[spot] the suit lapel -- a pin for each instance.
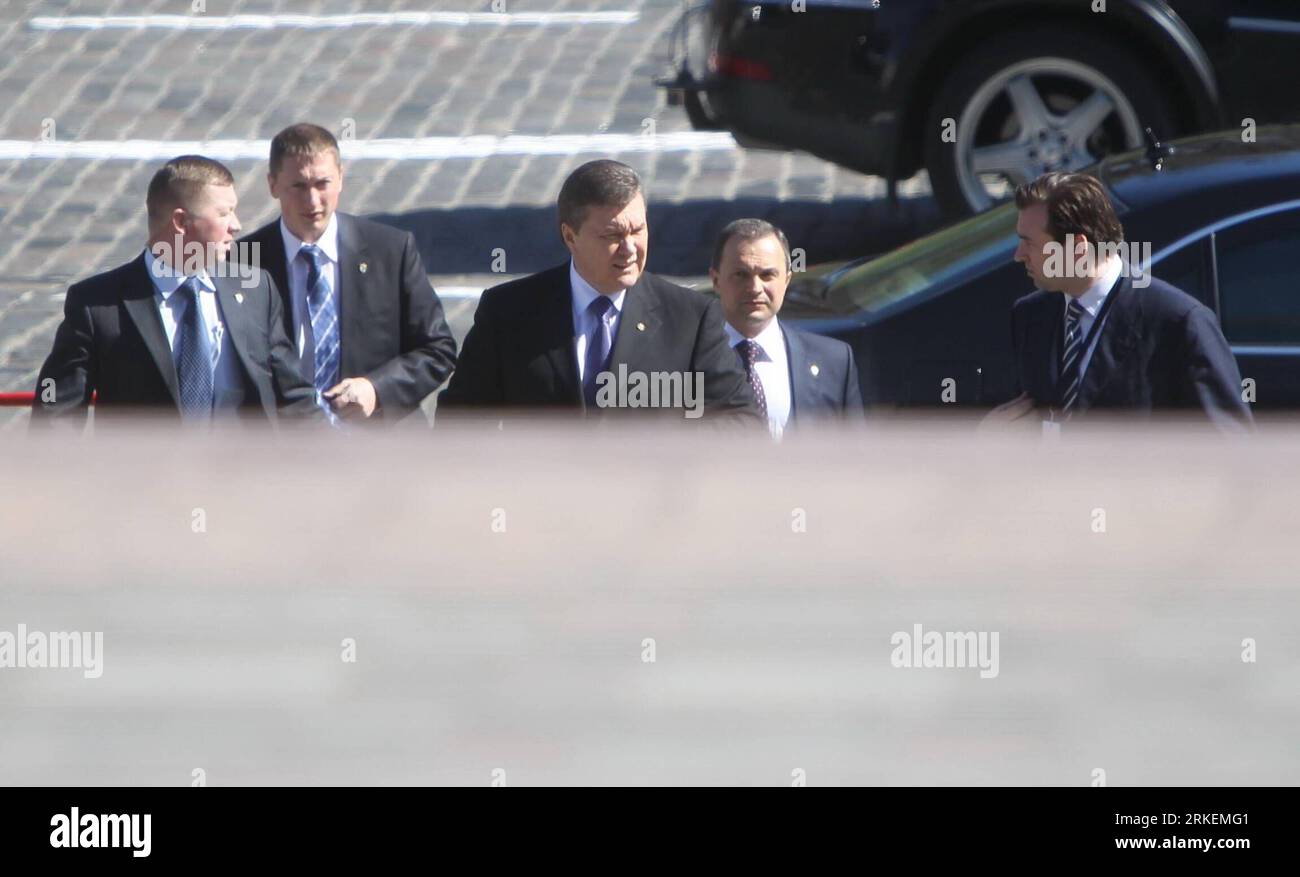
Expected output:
(555, 326)
(139, 299)
(638, 327)
(800, 380)
(230, 299)
(272, 259)
(354, 258)
(1116, 342)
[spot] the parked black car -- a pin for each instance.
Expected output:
(1221, 218)
(1028, 85)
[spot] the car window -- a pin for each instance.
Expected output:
(1185, 269)
(1259, 287)
(930, 263)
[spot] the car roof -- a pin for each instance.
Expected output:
(1194, 166)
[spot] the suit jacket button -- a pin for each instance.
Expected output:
(814, 369)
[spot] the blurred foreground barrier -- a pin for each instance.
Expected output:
(901, 606)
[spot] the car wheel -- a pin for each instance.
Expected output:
(1032, 102)
(698, 112)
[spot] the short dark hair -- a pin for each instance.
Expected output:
(1076, 204)
(600, 183)
(749, 230)
(302, 140)
(179, 182)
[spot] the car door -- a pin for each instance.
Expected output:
(1258, 291)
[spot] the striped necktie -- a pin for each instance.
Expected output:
(1072, 356)
(324, 324)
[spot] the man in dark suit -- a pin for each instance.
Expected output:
(555, 341)
(797, 376)
(356, 299)
(1101, 336)
(178, 330)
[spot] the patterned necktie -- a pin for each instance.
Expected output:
(748, 351)
(193, 356)
(324, 324)
(1072, 356)
(599, 346)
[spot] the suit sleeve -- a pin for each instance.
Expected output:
(428, 347)
(295, 395)
(67, 379)
(476, 382)
(1212, 379)
(726, 389)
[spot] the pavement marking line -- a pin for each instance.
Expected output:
(458, 293)
(316, 22)
(396, 149)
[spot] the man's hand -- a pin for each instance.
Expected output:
(351, 397)
(1008, 412)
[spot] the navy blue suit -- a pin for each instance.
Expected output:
(823, 378)
(1160, 350)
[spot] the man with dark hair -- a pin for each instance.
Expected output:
(178, 330)
(1099, 334)
(796, 376)
(357, 301)
(557, 339)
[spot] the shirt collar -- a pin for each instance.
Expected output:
(770, 340)
(1093, 298)
(166, 280)
(584, 294)
(328, 241)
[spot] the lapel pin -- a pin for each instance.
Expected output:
(362, 266)
(640, 327)
(239, 298)
(814, 369)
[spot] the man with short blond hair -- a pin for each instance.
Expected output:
(357, 300)
(178, 330)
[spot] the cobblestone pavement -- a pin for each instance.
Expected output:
(66, 218)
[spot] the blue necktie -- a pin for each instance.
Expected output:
(324, 324)
(1072, 356)
(599, 345)
(193, 356)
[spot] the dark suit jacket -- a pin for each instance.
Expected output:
(391, 326)
(520, 352)
(112, 342)
(832, 389)
(1159, 350)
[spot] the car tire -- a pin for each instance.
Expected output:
(1059, 68)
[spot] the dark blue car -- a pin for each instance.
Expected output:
(1221, 219)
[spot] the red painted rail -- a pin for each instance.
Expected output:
(24, 400)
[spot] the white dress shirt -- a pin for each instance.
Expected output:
(584, 324)
(773, 370)
(298, 269)
(226, 381)
(1091, 301)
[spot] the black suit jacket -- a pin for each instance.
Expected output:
(392, 330)
(112, 342)
(823, 378)
(520, 351)
(1159, 350)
